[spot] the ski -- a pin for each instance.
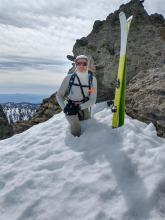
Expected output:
(120, 92)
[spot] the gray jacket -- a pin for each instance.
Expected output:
(75, 93)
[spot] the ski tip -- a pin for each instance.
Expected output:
(121, 14)
(130, 18)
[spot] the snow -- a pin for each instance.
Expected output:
(105, 174)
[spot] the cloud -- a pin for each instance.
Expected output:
(29, 80)
(26, 88)
(32, 76)
(19, 63)
(32, 13)
(47, 28)
(153, 6)
(60, 17)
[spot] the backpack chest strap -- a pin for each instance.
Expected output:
(76, 84)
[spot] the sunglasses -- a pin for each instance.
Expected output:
(81, 64)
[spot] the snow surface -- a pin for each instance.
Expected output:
(105, 174)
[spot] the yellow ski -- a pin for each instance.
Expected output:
(120, 92)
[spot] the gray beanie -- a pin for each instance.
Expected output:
(81, 57)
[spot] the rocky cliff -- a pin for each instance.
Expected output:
(146, 98)
(5, 129)
(145, 61)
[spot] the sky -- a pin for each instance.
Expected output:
(37, 35)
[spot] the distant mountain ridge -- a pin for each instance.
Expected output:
(17, 98)
(19, 111)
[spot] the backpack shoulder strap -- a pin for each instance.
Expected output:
(90, 80)
(71, 81)
(82, 91)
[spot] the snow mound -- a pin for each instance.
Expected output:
(105, 174)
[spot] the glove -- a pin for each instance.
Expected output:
(71, 108)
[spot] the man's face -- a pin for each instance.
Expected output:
(81, 65)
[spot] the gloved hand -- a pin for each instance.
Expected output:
(71, 108)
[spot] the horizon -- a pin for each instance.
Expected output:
(23, 98)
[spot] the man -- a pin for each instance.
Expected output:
(80, 91)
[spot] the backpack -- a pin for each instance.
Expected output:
(71, 83)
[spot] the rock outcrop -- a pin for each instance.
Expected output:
(146, 98)
(5, 129)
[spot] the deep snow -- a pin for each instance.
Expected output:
(105, 174)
